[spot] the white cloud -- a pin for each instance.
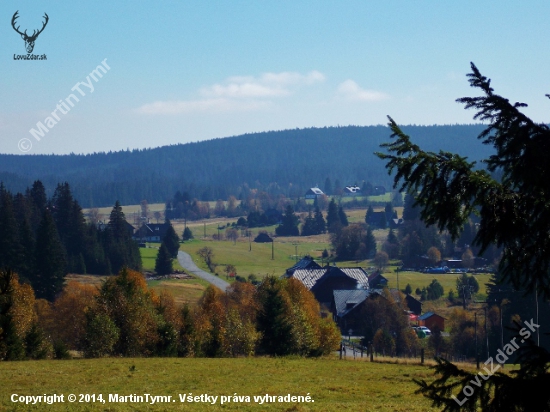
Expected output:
(351, 91)
(238, 93)
(244, 90)
(203, 105)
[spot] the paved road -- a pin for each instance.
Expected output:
(187, 263)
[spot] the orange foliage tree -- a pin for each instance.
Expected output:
(124, 320)
(20, 336)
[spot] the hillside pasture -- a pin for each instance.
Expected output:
(258, 260)
(334, 385)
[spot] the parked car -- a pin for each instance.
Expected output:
(425, 330)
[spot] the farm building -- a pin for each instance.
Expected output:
(263, 237)
(324, 281)
(414, 305)
(346, 307)
(151, 232)
(352, 190)
(377, 281)
(314, 193)
(432, 320)
(306, 262)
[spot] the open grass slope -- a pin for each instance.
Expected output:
(420, 280)
(334, 385)
(258, 260)
(184, 291)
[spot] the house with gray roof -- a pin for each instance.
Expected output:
(324, 281)
(306, 262)
(346, 307)
(314, 193)
(151, 232)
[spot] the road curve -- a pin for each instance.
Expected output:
(187, 263)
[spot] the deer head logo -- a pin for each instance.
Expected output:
(29, 40)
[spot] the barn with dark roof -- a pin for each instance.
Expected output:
(324, 281)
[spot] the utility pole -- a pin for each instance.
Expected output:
(272, 249)
(397, 271)
(475, 333)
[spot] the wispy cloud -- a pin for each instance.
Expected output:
(238, 93)
(202, 105)
(350, 90)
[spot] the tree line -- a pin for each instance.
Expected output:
(43, 239)
(125, 318)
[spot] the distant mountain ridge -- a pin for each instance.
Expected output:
(286, 162)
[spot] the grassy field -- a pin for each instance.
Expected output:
(420, 280)
(184, 290)
(334, 385)
(258, 260)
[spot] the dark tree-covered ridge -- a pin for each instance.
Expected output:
(287, 162)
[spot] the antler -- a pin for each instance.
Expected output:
(35, 35)
(15, 16)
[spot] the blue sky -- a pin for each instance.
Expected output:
(183, 71)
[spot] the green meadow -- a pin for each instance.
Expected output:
(334, 385)
(256, 258)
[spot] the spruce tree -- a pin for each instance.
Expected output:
(410, 211)
(11, 251)
(120, 249)
(187, 234)
(320, 224)
(333, 220)
(273, 318)
(37, 200)
(50, 261)
(309, 228)
(163, 263)
(172, 241)
(513, 207)
(370, 212)
(289, 225)
(342, 216)
(23, 217)
(117, 222)
(370, 243)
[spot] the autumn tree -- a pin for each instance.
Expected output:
(207, 255)
(381, 261)
(391, 245)
(20, 336)
(123, 320)
(434, 255)
(289, 320)
(232, 234)
(210, 323)
(385, 319)
(468, 258)
(68, 314)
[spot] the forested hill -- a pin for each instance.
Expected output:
(287, 162)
